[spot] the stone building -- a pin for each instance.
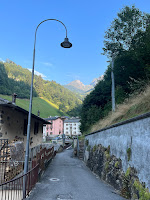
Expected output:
(13, 124)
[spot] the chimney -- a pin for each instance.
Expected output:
(14, 96)
(38, 113)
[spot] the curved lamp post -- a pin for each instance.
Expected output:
(64, 44)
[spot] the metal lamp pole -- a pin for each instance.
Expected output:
(65, 44)
(113, 85)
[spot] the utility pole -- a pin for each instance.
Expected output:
(113, 85)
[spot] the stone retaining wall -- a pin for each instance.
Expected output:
(128, 141)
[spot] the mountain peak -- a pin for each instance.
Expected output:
(79, 85)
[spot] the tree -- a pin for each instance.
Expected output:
(120, 35)
(129, 40)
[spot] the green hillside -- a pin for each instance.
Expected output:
(15, 79)
(38, 104)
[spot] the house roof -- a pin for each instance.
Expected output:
(52, 118)
(56, 117)
(71, 120)
(11, 105)
(4, 101)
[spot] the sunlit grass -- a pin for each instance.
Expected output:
(44, 107)
(132, 107)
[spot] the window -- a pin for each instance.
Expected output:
(25, 127)
(36, 128)
(51, 133)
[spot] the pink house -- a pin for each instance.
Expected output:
(56, 128)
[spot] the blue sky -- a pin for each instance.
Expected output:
(86, 22)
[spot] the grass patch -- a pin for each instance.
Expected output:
(52, 104)
(44, 107)
(143, 192)
(94, 148)
(136, 105)
(82, 137)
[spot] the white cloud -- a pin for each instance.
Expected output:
(2, 60)
(38, 73)
(47, 64)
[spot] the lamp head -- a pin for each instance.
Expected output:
(66, 43)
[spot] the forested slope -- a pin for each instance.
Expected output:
(14, 78)
(128, 41)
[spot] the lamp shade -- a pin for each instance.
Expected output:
(66, 43)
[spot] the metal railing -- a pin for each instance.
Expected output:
(13, 189)
(9, 170)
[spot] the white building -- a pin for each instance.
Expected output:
(72, 126)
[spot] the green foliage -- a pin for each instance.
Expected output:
(108, 149)
(107, 166)
(119, 37)
(107, 155)
(93, 104)
(81, 137)
(143, 192)
(89, 148)
(116, 164)
(86, 142)
(15, 79)
(129, 153)
(94, 148)
(128, 172)
(9, 84)
(128, 38)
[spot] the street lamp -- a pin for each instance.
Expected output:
(65, 44)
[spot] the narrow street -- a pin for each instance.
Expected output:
(68, 178)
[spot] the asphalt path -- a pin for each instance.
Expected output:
(69, 178)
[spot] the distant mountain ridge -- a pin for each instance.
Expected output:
(96, 80)
(78, 87)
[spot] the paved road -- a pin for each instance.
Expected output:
(68, 178)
